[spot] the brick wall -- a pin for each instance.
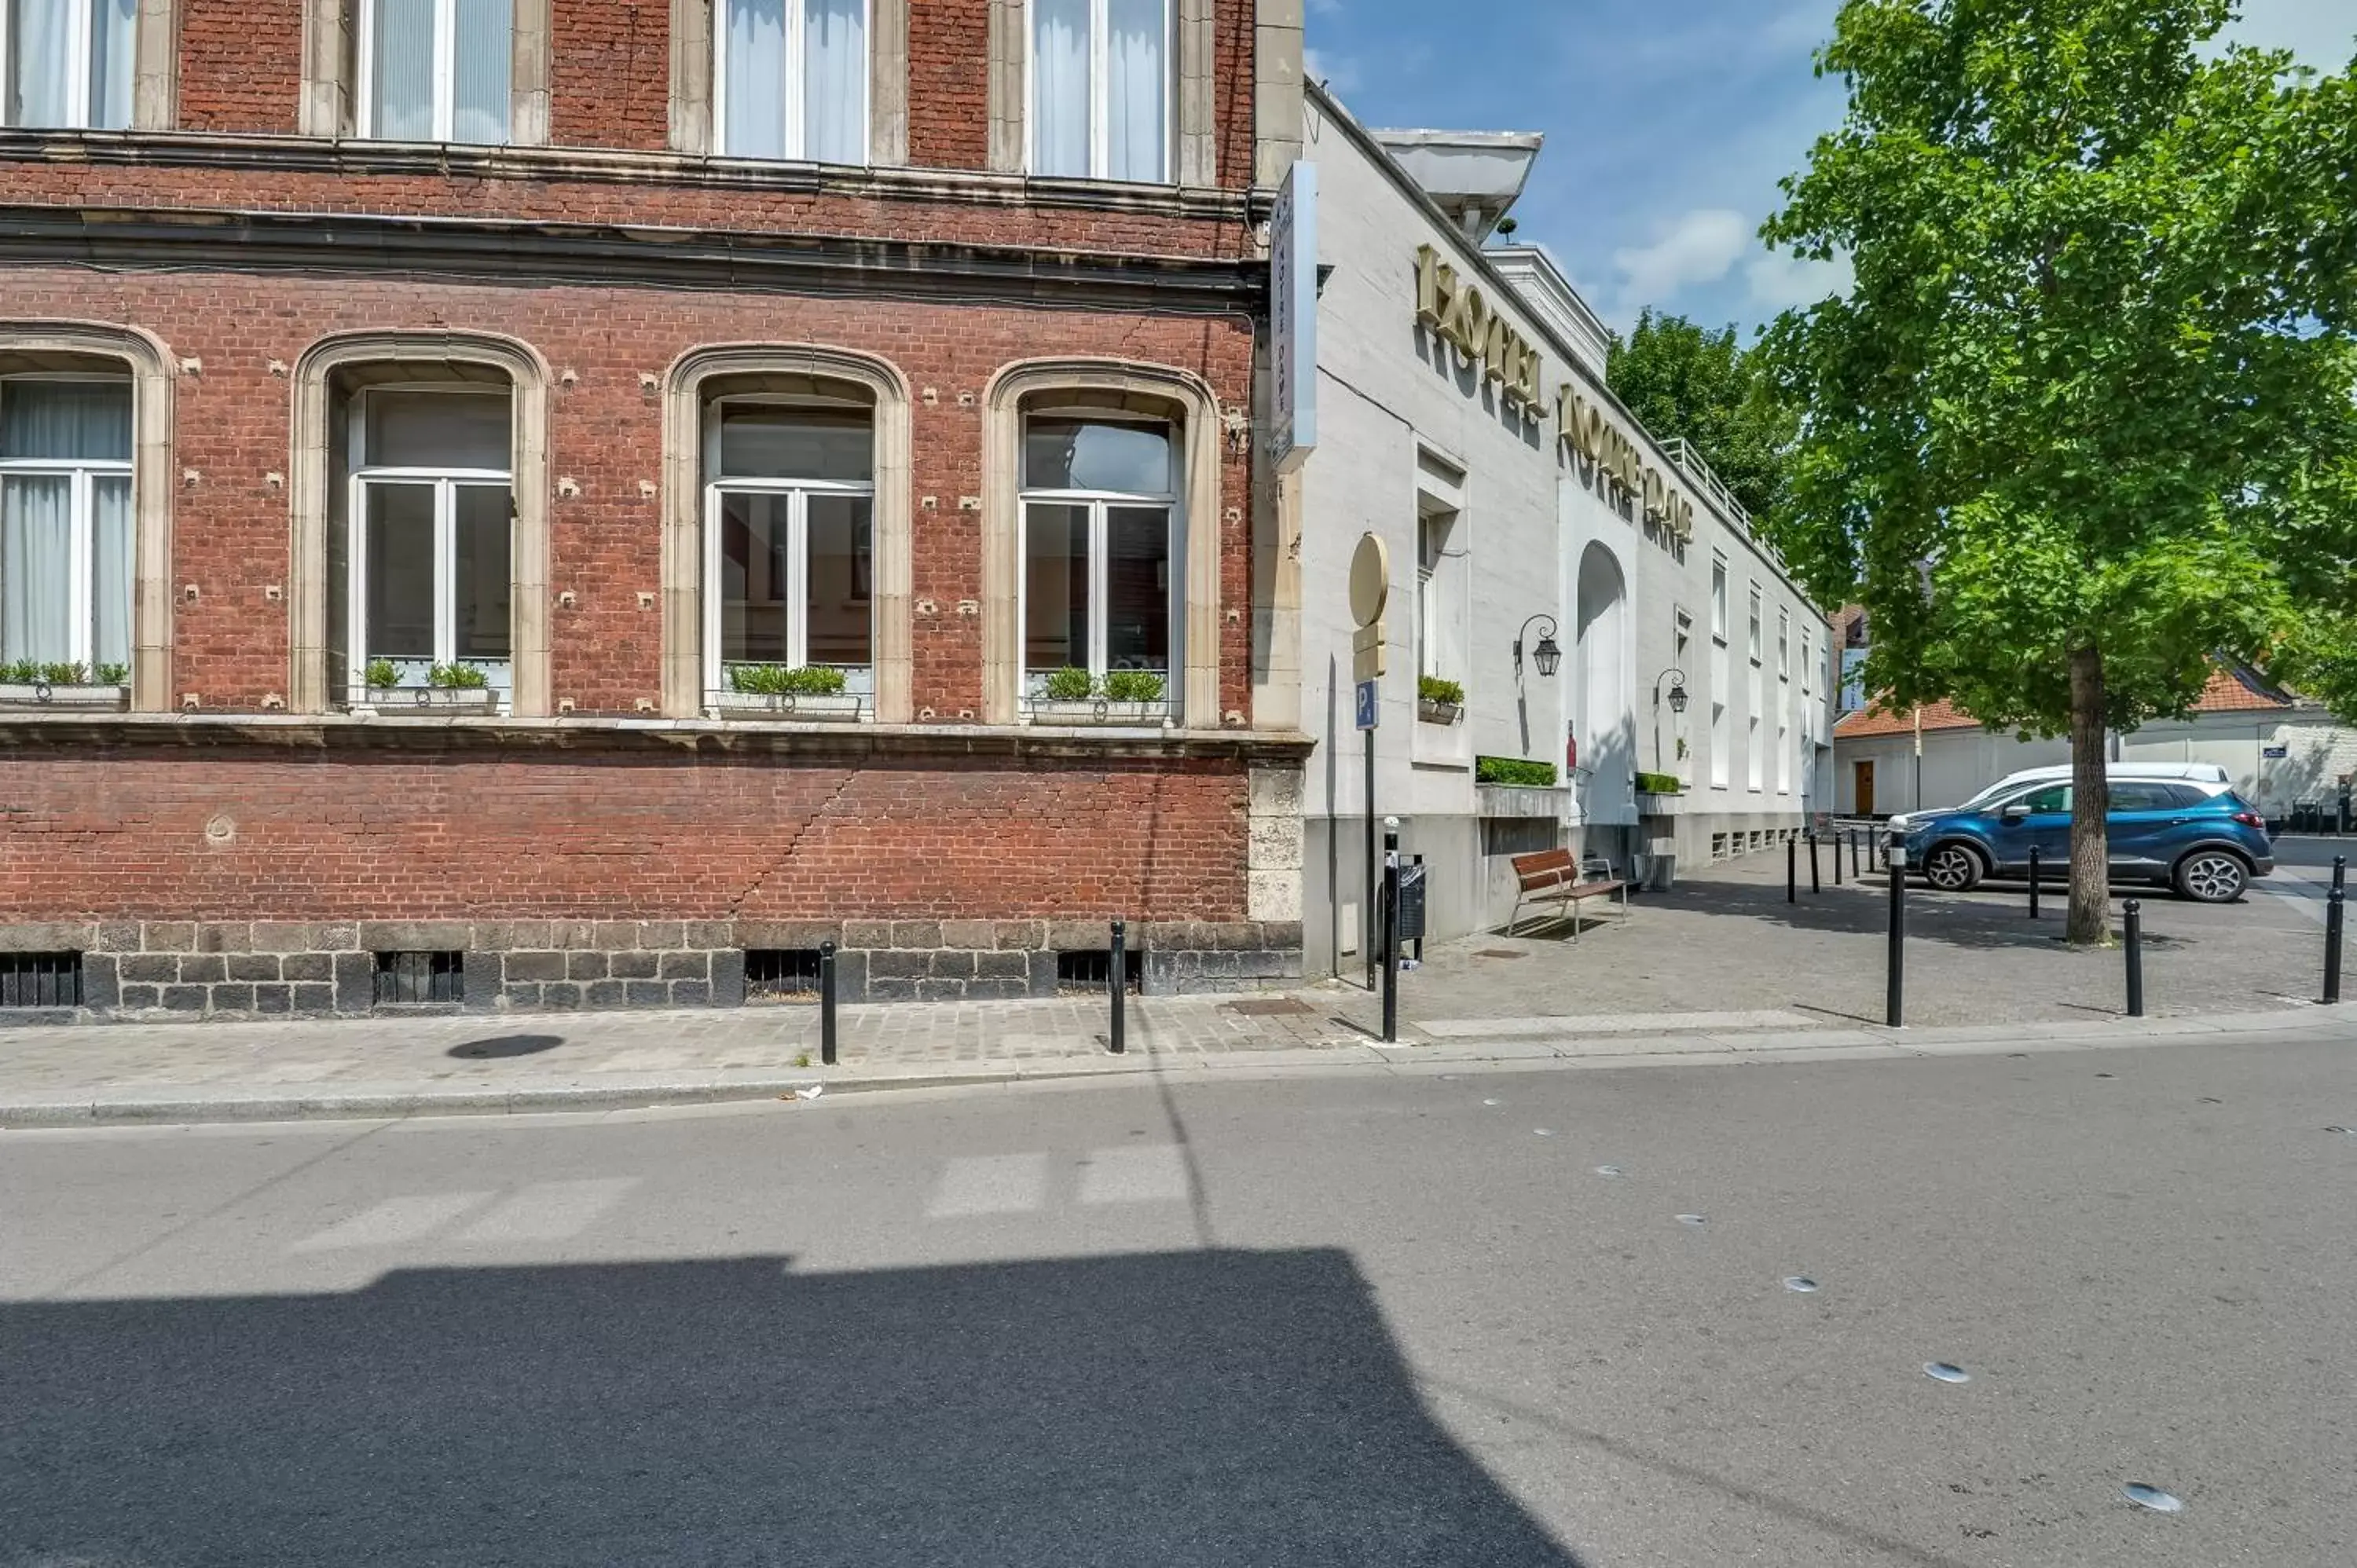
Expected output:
(270, 833)
(609, 68)
(948, 79)
(230, 527)
(240, 65)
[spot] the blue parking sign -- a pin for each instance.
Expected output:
(1369, 709)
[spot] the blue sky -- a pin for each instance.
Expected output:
(1668, 122)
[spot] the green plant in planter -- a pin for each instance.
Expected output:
(1659, 784)
(780, 681)
(114, 674)
(456, 678)
(1515, 771)
(1433, 689)
(67, 673)
(20, 673)
(1069, 685)
(1133, 686)
(381, 675)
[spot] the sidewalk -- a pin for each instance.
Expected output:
(1721, 970)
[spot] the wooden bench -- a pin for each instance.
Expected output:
(1553, 876)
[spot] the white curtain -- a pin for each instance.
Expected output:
(109, 550)
(835, 81)
(1137, 75)
(754, 54)
(403, 45)
(1060, 87)
(112, 23)
(35, 567)
(486, 45)
(66, 422)
(40, 61)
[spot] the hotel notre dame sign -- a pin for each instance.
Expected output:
(1454, 311)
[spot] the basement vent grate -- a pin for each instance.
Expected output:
(40, 980)
(408, 978)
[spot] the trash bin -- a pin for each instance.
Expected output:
(1661, 868)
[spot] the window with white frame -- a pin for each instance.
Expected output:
(790, 80)
(1098, 593)
(67, 63)
(1719, 675)
(429, 556)
(1783, 702)
(1755, 758)
(788, 542)
(1682, 649)
(66, 527)
(1101, 79)
(435, 71)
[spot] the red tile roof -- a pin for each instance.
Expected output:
(2231, 689)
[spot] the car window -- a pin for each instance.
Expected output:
(2052, 798)
(2195, 795)
(2131, 795)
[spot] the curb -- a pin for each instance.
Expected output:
(1518, 1051)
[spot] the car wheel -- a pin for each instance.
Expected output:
(2213, 876)
(1953, 868)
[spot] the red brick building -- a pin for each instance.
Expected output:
(587, 491)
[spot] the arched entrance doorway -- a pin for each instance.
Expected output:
(1601, 713)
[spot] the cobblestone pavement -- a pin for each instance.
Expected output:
(1722, 955)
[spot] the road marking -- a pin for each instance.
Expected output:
(549, 1210)
(1610, 1024)
(394, 1221)
(990, 1184)
(1154, 1172)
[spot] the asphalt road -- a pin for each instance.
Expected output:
(1329, 1319)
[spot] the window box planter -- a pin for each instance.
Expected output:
(1100, 711)
(831, 707)
(1534, 802)
(1652, 804)
(40, 696)
(1437, 712)
(396, 700)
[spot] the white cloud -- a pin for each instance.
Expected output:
(1780, 280)
(1697, 247)
(1338, 72)
(1325, 7)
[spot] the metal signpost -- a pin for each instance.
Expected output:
(1371, 590)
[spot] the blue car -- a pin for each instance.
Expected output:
(2199, 837)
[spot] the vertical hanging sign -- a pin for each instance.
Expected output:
(1293, 318)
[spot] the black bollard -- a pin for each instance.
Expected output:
(1114, 982)
(2134, 910)
(1813, 886)
(1391, 929)
(2033, 882)
(1791, 871)
(1837, 876)
(1894, 1005)
(826, 1004)
(2334, 915)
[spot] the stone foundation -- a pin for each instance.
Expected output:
(175, 970)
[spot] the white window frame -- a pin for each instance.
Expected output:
(446, 73)
(1720, 678)
(445, 482)
(1783, 700)
(1682, 626)
(798, 492)
(1100, 504)
(1755, 759)
(796, 87)
(1100, 93)
(78, 16)
(82, 475)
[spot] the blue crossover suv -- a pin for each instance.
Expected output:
(2199, 837)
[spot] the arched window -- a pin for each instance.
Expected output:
(66, 531)
(419, 487)
(429, 542)
(1099, 498)
(790, 544)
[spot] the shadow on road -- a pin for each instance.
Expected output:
(1207, 1407)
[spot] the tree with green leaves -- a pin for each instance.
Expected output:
(2085, 419)
(1682, 380)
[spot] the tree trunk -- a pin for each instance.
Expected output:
(2091, 804)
